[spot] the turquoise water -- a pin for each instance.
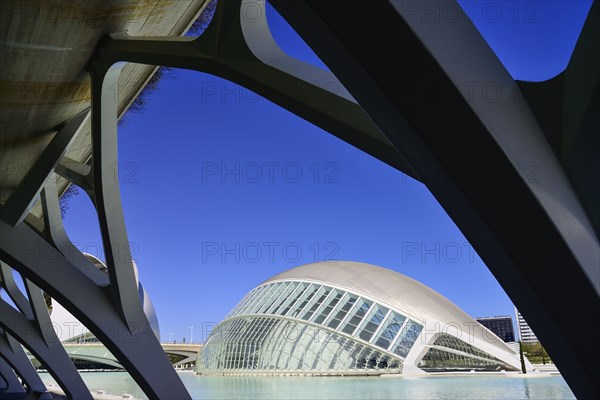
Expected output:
(368, 388)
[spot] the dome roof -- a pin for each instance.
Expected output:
(381, 285)
(391, 289)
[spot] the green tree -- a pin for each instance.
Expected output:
(522, 357)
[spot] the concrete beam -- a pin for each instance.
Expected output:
(245, 53)
(23, 198)
(41, 341)
(15, 356)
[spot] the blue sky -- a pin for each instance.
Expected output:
(222, 189)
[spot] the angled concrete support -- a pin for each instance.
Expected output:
(108, 303)
(15, 356)
(9, 383)
(53, 231)
(50, 354)
(7, 281)
(20, 202)
(482, 155)
(77, 173)
(243, 51)
(135, 346)
(69, 279)
(107, 197)
(32, 327)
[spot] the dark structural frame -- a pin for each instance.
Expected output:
(515, 169)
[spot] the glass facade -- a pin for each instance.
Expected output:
(448, 353)
(303, 327)
(275, 345)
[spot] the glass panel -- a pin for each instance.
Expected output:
(291, 301)
(260, 299)
(339, 314)
(239, 305)
(306, 298)
(273, 295)
(282, 298)
(362, 357)
(407, 338)
(328, 305)
(452, 342)
(265, 344)
(358, 313)
(438, 360)
(239, 309)
(389, 330)
(316, 302)
(372, 322)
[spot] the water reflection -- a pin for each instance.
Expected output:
(510, 387)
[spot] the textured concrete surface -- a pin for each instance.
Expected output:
(44, 48)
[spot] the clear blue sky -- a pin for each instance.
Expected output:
(204, 239)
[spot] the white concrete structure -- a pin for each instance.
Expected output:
(70, 330)
(349, 318)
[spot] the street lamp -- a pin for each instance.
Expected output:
(171, 337)
(191, 334)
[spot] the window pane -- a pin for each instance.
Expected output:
(306, 298)
(390, 328)
(316, 302)
(334, 298)
(291, 301)
(408, 337)
(282, 298)
(372, 322)
(261, 298)
(272, 296)
(357, 315)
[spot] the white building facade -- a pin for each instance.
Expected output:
(349, 318)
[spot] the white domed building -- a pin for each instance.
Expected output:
(349, 318)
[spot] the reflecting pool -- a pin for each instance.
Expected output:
(509, 387)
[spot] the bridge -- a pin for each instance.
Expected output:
(70, 69)
(96, 356)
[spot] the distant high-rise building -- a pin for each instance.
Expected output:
(526, 335)
(500, 326)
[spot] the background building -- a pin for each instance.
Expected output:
(500, 326)
(526, 335)
(344, 318)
